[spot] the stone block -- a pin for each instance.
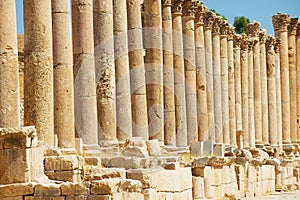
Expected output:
(128, 185)
(197, 148)
(61, 163)
(82, 188)
(17, 189)
(12, 198)
(136, 152)
(171, 166)
(150, 194)
(47, 189)
(132, 196)
(187, 195)
(43, 198)
(219, 150)
(106, 186)
(198, 188)
(137, 142)
(71, 176)
(124, 162)
(98, 173)
(89, 197)
(92, 161)
(153, 147)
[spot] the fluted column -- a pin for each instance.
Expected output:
(154, 68)
(237, 39)
(38, 69)
(169, 100)
(179, 80)
(292, 28)
(271, 84)
(264, 88)
(224, 81)
(137, 70)
(298, 79)
(217, 80)
(201, 75)
(244, 88)
(188, 27)
(123, 93)
(84, 73)
(280, 23)
(63, 74)
(208, 23)
(9, 72)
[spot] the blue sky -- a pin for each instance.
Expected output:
(258, 10)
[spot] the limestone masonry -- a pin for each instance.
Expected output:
(146, 100)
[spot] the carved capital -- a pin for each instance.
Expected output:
(224, 28)
(231, 33)
(216, 29)
(280, 21)
(263, 36)
(189, 8)
(292, 28)
(166, 2)
(199, 16)
(209, 19)
(237, 40)
(253, 29)
(252, 42)
(277, 45)
(244, 42)
(177, 6)
(270, 42)
(298, 30)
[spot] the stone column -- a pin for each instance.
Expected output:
(201, 75)
(190, 69)
(280, 23)
(217, 80)
(208, 23)
(244, 88)
(137, 70)
(298, 78)
(231, 87)
(9, 71)
(154, 68)
(38, 69)
(123, 93)
(271, 81)
(251, 113)
(264, 88)
(169, 100)
(224, 81)
(253, 32)
(237, 39)
(278, 92)
(84, 73)
(179, 80)
(292, 28)
(105, 71)
(63, 74)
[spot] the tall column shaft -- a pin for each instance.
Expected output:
(154, 68)
(123, 93)
(84, 73)
(9, 72)
(169, 100)
(137, 70)
(38, 69)
(298, 79)
(63, 74)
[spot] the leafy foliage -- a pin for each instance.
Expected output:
(240, 24)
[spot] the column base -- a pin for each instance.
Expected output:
(109, 143)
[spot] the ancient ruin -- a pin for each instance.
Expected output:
(146, 100)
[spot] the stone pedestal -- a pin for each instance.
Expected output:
(63, 74)
(179, 80)
(123, 93)
(137, 70)
(84, 74)
(38, 69)
(9, 72)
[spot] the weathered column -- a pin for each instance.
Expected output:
(105, 71)
(63, 74)
(298, 79)
(123, 93)
(244, 88)
(224, 81)
(264, 88)
(9, 72)
(292, 28)
(84, 73)
(208, 23)
(278, 92)
(253, 32)
(154, 68)
(137, 70)
(38, 69)
(271, 81)
(237, 39)
(201, 75)
(169, 100)
(280, 23)
(231, 87)
(190, 69)
(179, 80)
(251, 113)
(217, 80)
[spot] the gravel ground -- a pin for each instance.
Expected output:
(280, 195)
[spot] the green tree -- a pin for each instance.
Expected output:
(218, 14)
(240, 24)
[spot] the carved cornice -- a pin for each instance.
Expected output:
(270, 42)
(209, 19)
(298, 30)
(199, 16)
(292, 28)
(262, 36)
(253, 29)
(231, 33)
(280, 21)
(189, 8)
(217, 25)
(277, 45)
(237, 40)
(166, 2)
(177, 6)
(244, 42)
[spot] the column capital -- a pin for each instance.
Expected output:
(253, 29)
(216, 29)
(199, 15)
(237, 40)
(166, 3)
(244, 42)
(262, 36)
(177, 6)
(224, 28)
(252, 42)
(189, 8)
(277, 45)
(209, 19)
(292, 28)
(280, 21)
(298, 30)
(270, 42)
(231, 33)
